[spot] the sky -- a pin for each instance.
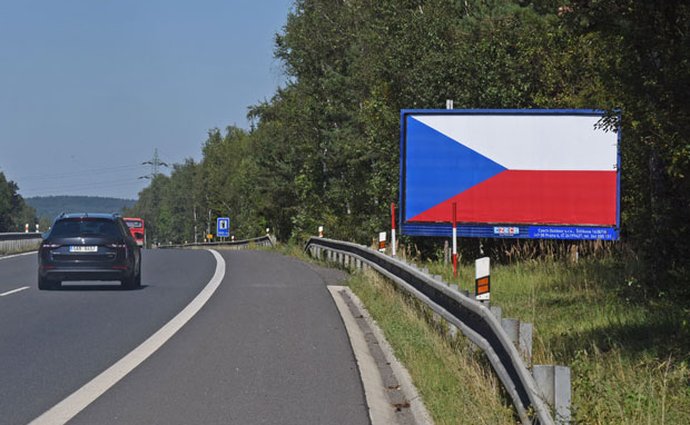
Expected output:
(90, 89)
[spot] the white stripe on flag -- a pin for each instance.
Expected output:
(532, 142)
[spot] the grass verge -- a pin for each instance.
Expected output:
(454, 381)
(628, 354)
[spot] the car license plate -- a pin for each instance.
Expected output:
(83, 248)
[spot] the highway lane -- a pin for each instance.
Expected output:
(53, 342)
(268, 348)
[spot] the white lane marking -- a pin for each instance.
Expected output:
(14, 291)
(17, 255)
(80, 399)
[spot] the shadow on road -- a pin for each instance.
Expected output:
(97, 287)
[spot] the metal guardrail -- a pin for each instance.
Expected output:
(19, 242)
(16, 236)
(474, 320)
(260, 241)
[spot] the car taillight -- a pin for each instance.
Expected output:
(120, 246)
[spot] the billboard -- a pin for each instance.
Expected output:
(546, 174)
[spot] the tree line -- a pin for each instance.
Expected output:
(324, 149)
(14, 211)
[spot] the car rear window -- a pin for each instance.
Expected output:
(85, 227)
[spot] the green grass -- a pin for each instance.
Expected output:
(628, 355)
(453, 380)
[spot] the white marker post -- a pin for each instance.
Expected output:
(382, 242)
(26, 228)
(482, 281)
(393, 230)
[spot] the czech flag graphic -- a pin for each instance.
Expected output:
(550, 169)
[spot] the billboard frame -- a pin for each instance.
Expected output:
(509, 230)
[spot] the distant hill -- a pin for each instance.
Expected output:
(49, 207)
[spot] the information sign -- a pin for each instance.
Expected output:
(223, 227)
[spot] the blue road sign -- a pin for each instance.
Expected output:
(223, 227)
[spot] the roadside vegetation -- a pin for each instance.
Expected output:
(629, 357)
(14, 211)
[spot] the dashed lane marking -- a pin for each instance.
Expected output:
(14, 291)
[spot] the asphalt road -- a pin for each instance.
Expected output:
(268, 347)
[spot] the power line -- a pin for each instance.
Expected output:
(53, 176)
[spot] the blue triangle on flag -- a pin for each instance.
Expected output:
(438, 168)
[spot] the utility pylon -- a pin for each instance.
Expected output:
(155, 164)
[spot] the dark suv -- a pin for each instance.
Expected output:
(89, 247)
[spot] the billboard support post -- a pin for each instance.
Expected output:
(455, 240)
(393, 229)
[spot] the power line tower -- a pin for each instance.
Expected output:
(155, 164)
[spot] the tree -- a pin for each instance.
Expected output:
(14, 212)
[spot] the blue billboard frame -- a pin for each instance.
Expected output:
(508, 230)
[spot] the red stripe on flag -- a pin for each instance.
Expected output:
(526, 197)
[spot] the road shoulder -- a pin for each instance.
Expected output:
(391, 396)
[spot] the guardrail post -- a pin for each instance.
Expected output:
(521, 335)
(497, 312)
(525, 342)
(554, 384)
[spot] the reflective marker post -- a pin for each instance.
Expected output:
(455, 240)
(482, 279)
(393, 230)
(382, 241)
